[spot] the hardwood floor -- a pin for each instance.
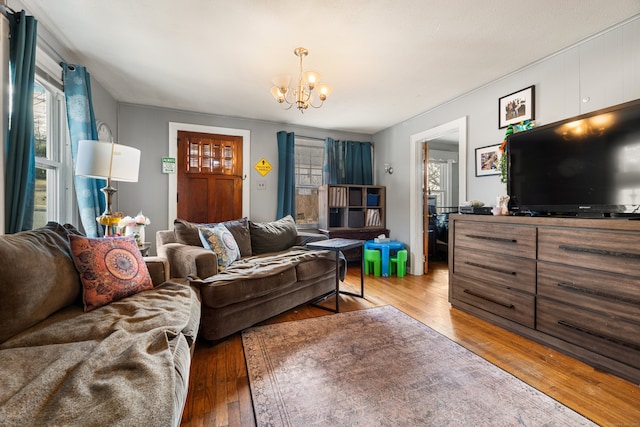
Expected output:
(219, 392)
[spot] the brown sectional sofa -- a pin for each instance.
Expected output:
(275, 273)
(125, 363)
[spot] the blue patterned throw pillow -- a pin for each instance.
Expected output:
(220, 240)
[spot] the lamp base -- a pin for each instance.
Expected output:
(110, 222)
(108, 219)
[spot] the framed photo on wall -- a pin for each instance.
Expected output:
(516, 107)
(488, 160)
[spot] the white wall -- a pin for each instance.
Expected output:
(604, 71)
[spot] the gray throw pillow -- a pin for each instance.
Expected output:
(272, 236)
(187, 233)
(37, 277)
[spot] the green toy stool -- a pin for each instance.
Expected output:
(399, 263)
(372, 256)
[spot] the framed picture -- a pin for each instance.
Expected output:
(488, 160)
(516, 107)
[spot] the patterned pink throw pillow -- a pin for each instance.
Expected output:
(110, 269)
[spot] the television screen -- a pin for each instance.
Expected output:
(586, 165)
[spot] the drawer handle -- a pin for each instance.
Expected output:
(491, 268)
(599, 251)
(495, 239)
(473, 294)
(572, 287)
(598, 335)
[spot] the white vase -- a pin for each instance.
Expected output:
(137, 231)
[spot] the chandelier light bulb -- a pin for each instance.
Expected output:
(312, 78)
(323, 91)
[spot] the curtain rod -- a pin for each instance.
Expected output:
(6, 10)
(322, 139)
(309, 137)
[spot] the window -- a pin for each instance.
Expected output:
(439, 178)
(309, 158)
(51, 150)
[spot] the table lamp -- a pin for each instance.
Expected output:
(110, 161)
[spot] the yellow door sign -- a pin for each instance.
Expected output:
(263, 167)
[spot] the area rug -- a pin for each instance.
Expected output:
(380, 367)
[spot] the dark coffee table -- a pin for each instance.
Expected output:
(338, 245)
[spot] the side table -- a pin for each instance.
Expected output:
(144, 249)
(353, 255)
(338, 245)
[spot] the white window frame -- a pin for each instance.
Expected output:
(307, 142)
(61, 203)
(446, 179)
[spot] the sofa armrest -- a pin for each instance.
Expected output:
(305, 237)
(186, 260)
(158, 269)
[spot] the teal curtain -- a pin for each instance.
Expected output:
(20, 151)
(347, 162)
(286, 175)
(82, 125)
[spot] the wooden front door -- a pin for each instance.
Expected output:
(209, 177)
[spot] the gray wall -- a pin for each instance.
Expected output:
(105, 107)
(147, 128)
(604, 71)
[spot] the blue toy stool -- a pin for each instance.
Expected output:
(372, 257)
(399, 263)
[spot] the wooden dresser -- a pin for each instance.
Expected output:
(570, 283)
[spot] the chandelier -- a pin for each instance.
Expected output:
(305, 93)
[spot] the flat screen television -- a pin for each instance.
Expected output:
(587, 165)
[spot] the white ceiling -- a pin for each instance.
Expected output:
(387, 60)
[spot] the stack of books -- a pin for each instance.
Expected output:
(337, 196)
(373, 218)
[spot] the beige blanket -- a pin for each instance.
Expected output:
(112, 366)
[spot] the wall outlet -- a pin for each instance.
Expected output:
(262, 184)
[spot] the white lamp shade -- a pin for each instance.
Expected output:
(324, 91)
(98, 159)
(277, 94)
(311, 77)
(281, 81)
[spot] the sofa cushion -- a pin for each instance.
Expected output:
(187, 233)
(272, 236)
(110, 269)
(221, 241)
(247, 279)
(260, 275)
(37, 277)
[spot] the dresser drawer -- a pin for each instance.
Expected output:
(593, 290)
(504, 302)
(512, 272)
(604, 334)
(507, 239)
(617, 252)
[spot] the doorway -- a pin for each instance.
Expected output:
(416, 227)
(174, 128)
